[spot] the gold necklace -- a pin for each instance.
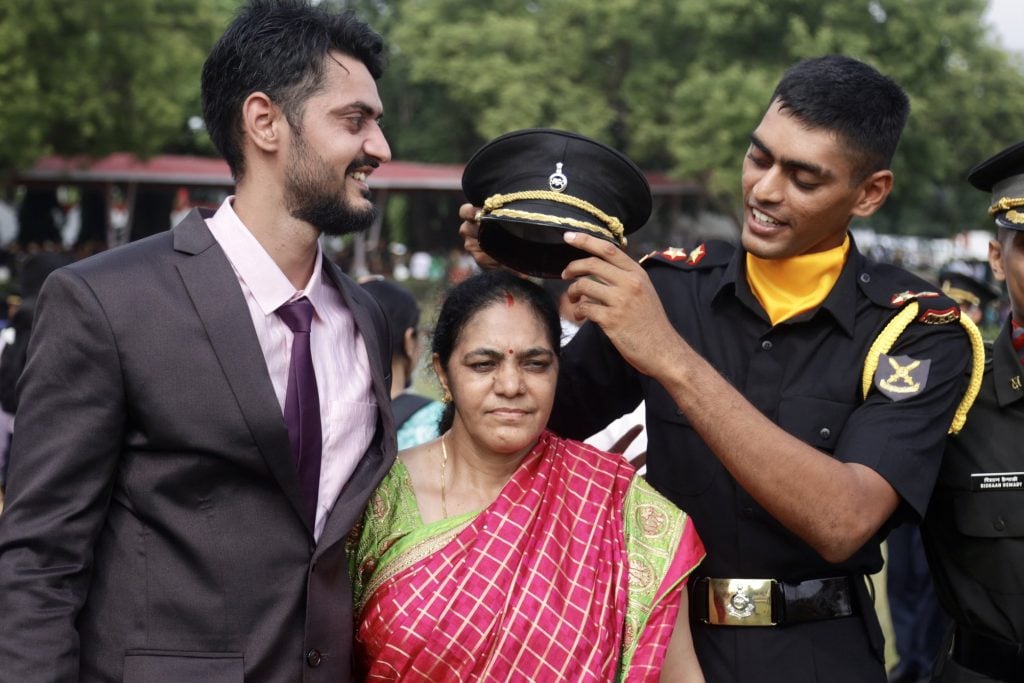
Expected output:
(444, 461)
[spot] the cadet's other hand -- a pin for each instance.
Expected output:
(613, 290)
(470, 231)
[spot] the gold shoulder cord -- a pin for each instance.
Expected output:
(885, 341)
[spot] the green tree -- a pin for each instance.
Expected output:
(101, 76)
(680, 84)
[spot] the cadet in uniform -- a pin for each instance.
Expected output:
(798, 395)
(974, 531)
(919, 623)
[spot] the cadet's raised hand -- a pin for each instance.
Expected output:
(614, 291)
(470, 231)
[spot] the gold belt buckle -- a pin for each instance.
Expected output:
(740, 602)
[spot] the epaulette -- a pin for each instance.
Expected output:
(707, 255)
(894, 288)
(915, 301)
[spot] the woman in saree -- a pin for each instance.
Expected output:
(501, 552)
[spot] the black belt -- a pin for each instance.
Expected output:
(999, 659)
(767, 602)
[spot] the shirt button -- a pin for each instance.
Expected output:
(865, 278)
(999, 524)
(766, 345)
(825, 432)
(313, 658)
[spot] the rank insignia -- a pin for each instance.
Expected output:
(940, 317)
(674, 254)
(900, 377)
(904, 297)
(696, 255)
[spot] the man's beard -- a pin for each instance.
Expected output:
(312, 193)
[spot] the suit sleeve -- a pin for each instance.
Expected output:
(64, 461)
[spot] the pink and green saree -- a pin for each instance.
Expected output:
(574, 573)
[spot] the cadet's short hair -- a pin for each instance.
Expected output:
(277, 47)
(866, 109)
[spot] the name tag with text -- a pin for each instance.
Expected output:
(997, 481)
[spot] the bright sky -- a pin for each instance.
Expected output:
(1007, 19)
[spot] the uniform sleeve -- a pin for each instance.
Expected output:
(903, 439)
(64, 461)
(595, 385)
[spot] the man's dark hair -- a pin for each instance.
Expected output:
(851, 99)
(277, 47)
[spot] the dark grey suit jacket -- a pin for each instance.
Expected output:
(154, 527)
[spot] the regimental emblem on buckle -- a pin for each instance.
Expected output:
(740, 602)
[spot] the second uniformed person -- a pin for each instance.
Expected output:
(784, 411)
(974, 531)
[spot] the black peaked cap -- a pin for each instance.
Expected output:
(537, 183)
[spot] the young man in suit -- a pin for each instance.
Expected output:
(201, 415)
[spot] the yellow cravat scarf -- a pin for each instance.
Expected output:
(788, 287)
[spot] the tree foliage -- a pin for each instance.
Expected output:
(101, 76)
(680, 84)
(677, 84)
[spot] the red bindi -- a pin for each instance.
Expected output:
(509, 300)
(510, 352)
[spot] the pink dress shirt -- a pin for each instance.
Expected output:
(348, 409)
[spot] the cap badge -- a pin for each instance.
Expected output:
(557, 180)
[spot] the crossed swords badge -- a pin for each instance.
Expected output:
(900, 377)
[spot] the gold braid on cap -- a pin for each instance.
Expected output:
(961, 296)
(885, 341)
(614, 230)
(1005, 204)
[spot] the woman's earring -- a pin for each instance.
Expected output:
(447, 398)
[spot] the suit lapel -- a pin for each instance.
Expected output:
(213, 287)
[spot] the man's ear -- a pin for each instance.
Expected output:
(874, 190)
(995, 259)
(410, 343)
(261, 121)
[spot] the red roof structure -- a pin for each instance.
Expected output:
(172, 169)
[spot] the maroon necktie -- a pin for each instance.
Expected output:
(302, 403)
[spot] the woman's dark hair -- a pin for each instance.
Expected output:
(477, 293)
(277, 47)
(400, 309)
